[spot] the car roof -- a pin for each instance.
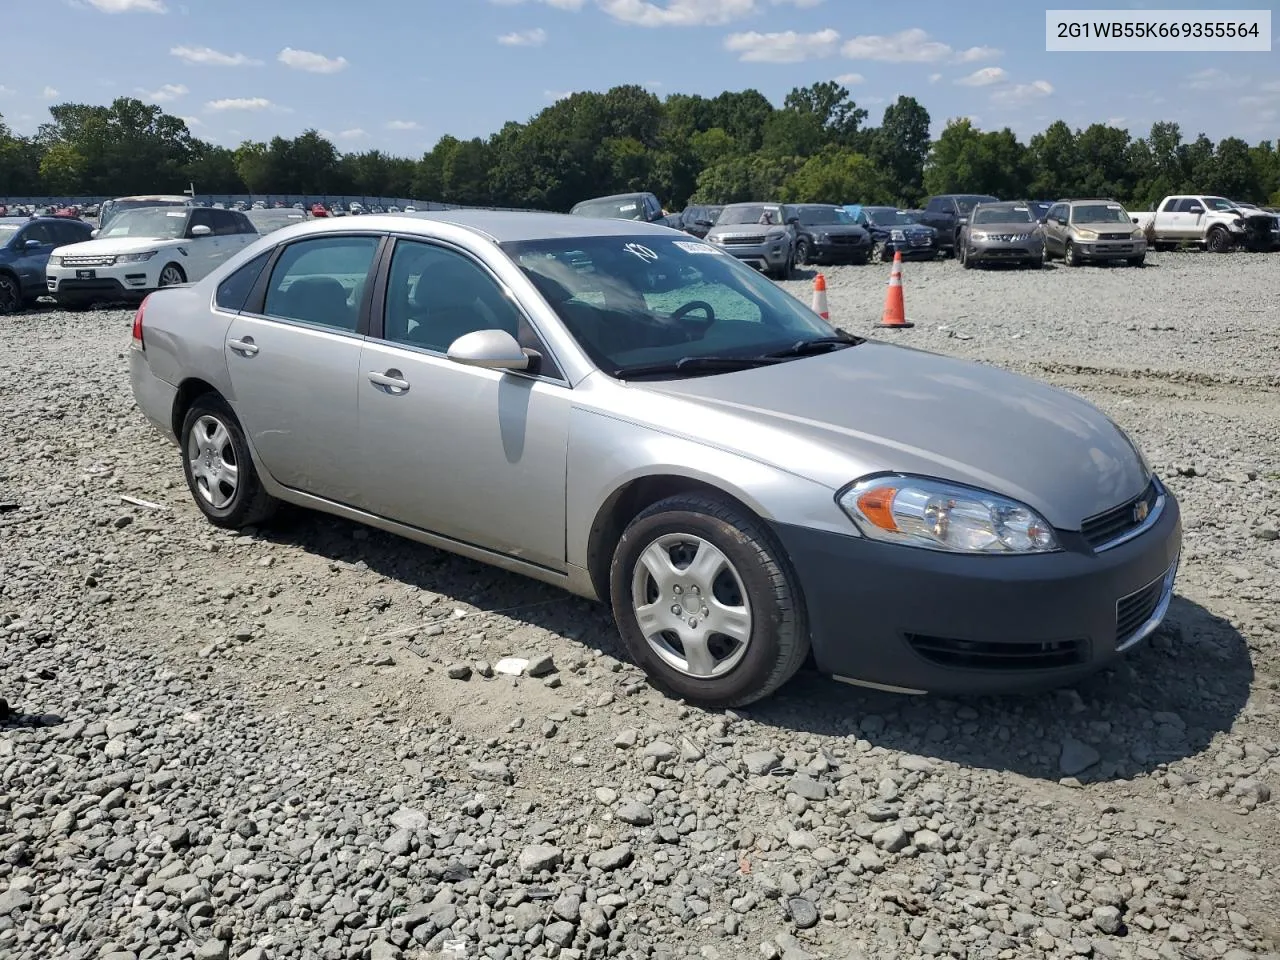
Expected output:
(156, 196)
(612, 196)
(500, 226)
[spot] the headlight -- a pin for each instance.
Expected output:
(978, 235)
(715, 240)
(136, 257)
(919, 512)
(775, 234)
(1138, 234)
(822, 237)
(1086, 234)
(897, 235)
(55, 261)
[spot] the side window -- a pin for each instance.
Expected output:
(200, 217)
(1057, 212)
(234, 291)
(38, 231)
(66, 233)
(1170, 206)
(318, 281)
(436, 295)
(244, 224)
(224, 223)
(934, 206)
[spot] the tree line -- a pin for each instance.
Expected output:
(818, 146)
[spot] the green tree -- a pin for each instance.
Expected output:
(900, 146)
(62, 169)
(837, 175)
(1054, 159)
(738, 179)
(828, 103)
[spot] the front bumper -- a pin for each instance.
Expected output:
(772, 255)
(921, 621)
(839, 251)
(923, 248)
(1005, 251)
(124, 282)
(1110, 249)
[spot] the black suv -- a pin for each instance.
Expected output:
(696, 221)
(825, 234)
(949, 213)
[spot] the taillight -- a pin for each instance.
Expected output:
(138, 343)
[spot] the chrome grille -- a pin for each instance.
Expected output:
(88, 261)
(920, 239)
(1103, 528)
(745, 238)
(1115, 236)
(846, 239)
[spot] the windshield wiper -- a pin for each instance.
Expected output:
(816, 345)
(695, 365)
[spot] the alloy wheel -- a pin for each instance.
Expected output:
(213, 462)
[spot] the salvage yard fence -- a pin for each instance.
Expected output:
(268, 198)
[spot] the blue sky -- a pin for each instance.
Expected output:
(397, 74)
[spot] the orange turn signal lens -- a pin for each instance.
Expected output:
(877, 506)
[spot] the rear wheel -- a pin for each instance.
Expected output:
(705, 601)
(219, 468)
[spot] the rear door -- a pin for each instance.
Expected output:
(293, 354)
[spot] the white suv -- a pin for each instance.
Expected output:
(142, 249)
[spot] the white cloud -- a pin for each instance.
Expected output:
(402, 125)
(974, 54)
(1116, 121)
(168, 92)
(850, 79)
(677, 13)
(5, 91)
(192, 121)
(558, 4)
(49, 93)
(984, 77)
(1214, 79)
(802, 4)
(906, 46)
(207, 56)
(554, 95)
(935, 77)
(311, 62)
(128, 6)
(241, 103)
(1022, 92)
(353, 134)
(654, 84)
(786, 47)
(524, 38)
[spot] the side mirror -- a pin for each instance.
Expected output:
(201, 231)
(32, 244)
(703, 223)
(1196, 209)
(793, 221)
(491, 349)
(93, 234)
(962, 220)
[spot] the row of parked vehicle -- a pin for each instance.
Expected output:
(976, 229)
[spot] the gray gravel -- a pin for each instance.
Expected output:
(318, 741)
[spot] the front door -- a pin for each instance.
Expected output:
(294, 365)
(475, 455)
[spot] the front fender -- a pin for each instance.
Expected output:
(608, 453)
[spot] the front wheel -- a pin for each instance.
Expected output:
(10, 294)
(219, 468)
(705, 601)
(1218, 241)
(802, 253)
(966, 261)
(171, 275)
(1070, 256)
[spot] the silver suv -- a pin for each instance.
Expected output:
(760, 234)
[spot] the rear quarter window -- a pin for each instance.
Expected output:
(234, 291)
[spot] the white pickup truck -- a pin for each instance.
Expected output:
(1214, 223)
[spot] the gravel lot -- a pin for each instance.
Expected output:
(296, 743)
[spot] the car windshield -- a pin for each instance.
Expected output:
(1003, 215)
(1219, 204)
(748, 213)
(152, 222)
(7, 230)
(636, 301)
(1099, 213)
(625, 208)
(268, 220)
(817, 216)
(889, 218)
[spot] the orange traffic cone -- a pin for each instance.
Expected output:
(820, 297)
(895, 311)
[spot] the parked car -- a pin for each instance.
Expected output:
(760, 234)
(1261, 236)
(825, 234)
(319, 210)
(999, 232)
(1088, 231)
(145, 249)
(622, 206)
(949, 213)
(1214, 223)
(738, 479)
(267, 221)
(25, 248)
(896, 231)
(112, 207)
(696, 221)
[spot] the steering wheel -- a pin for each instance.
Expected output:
(699, 331)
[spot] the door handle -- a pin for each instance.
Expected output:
(392, 380)
(245, 346)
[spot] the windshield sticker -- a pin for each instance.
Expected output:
(1113, 206)
(689, 247)
(627, 207)
(180, 213)
(643, 252)
(1021, 209)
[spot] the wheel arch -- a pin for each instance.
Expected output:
(188, 392)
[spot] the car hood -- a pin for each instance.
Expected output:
(1018, 226)
(114, 245)
(744, 229)
(840, 229)
(836, 417)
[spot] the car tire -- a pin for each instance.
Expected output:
(1137, 261)
(219, 468)
(171, 275)
(802, 253)
(10, 294)
(962, 254)
(746, 571)
(1218, 240)
(1070, 256)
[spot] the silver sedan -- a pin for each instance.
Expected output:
(633, 415)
